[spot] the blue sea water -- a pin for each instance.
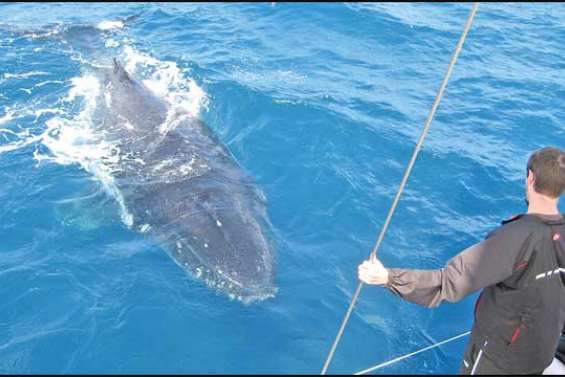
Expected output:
(321, 104)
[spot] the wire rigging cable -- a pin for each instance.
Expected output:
(394, 361)
(405, 177)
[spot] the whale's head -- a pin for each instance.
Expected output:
(222, 235)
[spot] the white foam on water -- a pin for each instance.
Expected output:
(18, 136)
(8, 116)
(72, 137)
(69, 138)
(144, 228)
(110, 25)
(167, 81)
(43, 83)
(8, 76)
(75, 139)
(44, 34)
(111, 43)
(22, 142)
(41, 112)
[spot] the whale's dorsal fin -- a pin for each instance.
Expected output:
(120, 71)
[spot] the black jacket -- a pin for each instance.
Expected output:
(521, 311)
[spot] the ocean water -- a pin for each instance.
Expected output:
(321, 104)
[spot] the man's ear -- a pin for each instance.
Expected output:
(531, 177)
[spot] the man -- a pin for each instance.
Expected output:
(521, 266)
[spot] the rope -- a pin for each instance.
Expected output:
(393, 361)
(405, 178)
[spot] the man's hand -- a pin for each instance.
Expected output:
(373, 272)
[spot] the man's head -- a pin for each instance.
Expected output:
(546, 174)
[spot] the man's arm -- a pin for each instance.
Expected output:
(486, 263)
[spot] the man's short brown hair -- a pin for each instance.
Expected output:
(548, 166)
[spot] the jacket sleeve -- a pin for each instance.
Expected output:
(486, 263)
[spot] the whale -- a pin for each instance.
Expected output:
(183, 188)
